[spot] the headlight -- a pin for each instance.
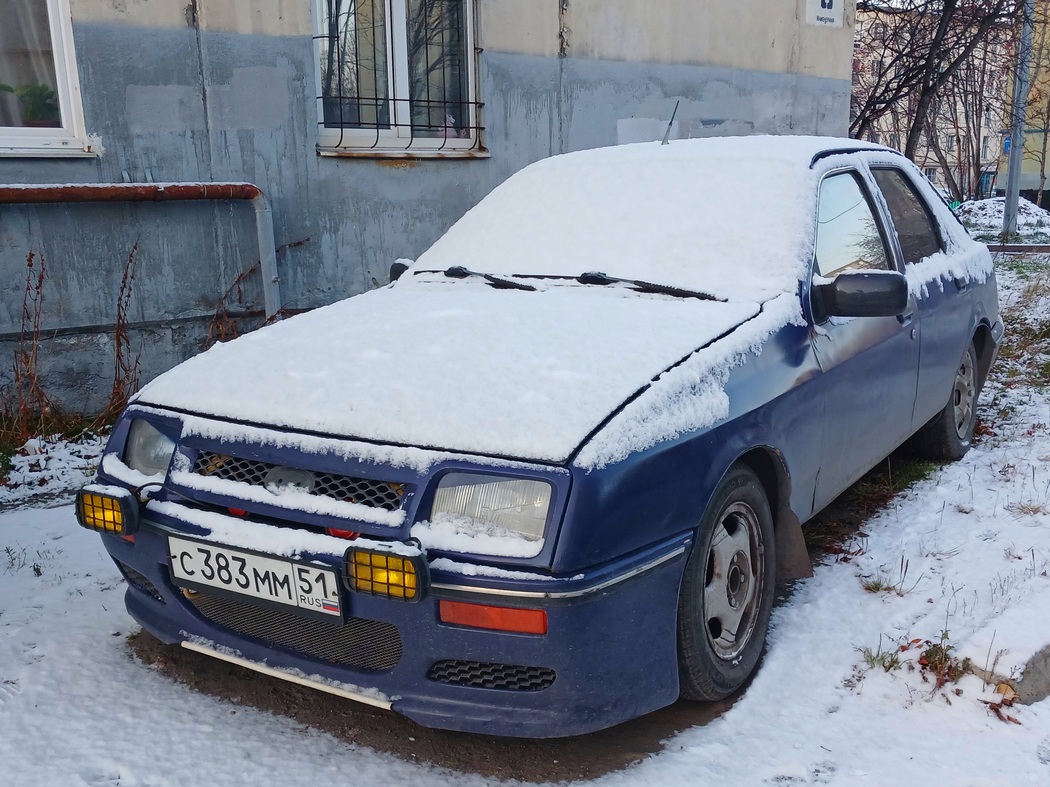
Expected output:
(147, 450)
(492, 504)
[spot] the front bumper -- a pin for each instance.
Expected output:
(609, 654)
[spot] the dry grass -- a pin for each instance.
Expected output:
(26, 409)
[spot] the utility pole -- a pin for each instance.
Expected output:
(1018, 117)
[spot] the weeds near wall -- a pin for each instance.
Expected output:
(30, 409)
(26, 410)
(125, 368)
(223, 327)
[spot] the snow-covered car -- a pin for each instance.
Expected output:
(546, 480)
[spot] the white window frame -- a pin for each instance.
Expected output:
(71, 139)
(397, 141)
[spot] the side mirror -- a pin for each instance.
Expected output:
(862, 294)
(397, 269)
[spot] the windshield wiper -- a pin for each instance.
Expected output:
(459, 272)
(597, 277)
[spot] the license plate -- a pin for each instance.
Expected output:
(308, 588)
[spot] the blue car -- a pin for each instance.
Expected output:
(547, 479)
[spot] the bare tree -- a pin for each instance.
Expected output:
(921, 46)
(970, 111)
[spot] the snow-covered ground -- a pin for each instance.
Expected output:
(964, 559)
(984, 219)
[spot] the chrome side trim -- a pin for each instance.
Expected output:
(292, 678)
(438, 586)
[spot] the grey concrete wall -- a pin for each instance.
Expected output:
(188, 105)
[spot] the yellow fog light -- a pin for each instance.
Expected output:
(108, 510)
(386, 574)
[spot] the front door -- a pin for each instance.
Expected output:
(870, 364)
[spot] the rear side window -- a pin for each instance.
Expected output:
(848, 237)
(911, 219)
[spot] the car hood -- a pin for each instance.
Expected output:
(455, 366)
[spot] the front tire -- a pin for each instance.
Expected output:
(949, 434)
(727, 590)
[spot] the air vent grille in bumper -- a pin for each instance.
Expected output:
(509, 677)
(386, 495)
(360, 643)
(139, 580)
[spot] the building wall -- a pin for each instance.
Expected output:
(225, 90)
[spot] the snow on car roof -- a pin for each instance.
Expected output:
(732, 216)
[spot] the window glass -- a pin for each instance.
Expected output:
(28, 82)
(848, 236)
(915, 229)
(397, 75)
(354, 85)
(436, 62)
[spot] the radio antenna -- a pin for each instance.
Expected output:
(667, 134)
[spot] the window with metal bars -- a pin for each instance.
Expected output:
(397, 76)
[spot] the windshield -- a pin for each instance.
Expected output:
(732, 217)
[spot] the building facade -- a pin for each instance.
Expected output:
(367, 128)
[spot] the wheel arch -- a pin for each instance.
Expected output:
(792, 556)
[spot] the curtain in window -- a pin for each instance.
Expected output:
(437, 68)
(355, 87)
(27, 66)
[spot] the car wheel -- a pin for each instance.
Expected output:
(948, 435)
(727, 590)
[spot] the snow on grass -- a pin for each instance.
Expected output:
(47, 466)
(965, 552)
(984, 219)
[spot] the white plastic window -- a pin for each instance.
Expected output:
(396, 77)
(40, 109)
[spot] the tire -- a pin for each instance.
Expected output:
(949, 434)
(727, 590)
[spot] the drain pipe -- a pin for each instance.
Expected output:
(41, 194)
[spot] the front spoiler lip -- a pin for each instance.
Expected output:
(286, 675)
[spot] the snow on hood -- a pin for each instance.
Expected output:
(456, 366)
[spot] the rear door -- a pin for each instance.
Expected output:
(943, 305)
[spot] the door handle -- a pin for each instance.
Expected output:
(962, 285)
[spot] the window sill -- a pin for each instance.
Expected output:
(403, 153)
(61, 147)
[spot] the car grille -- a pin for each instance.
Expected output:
(360, 643)
(139, 580)
(376, 494)
(508, 677)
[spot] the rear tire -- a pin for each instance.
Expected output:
(949, 434)
(727, 590)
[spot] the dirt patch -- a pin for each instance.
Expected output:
(564, 759)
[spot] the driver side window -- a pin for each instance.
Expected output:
(848, 236)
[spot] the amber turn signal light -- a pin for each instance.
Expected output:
(483, 616)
